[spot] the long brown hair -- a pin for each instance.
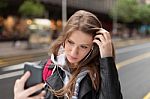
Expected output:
(86, 22)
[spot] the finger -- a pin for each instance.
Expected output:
(33, 89)
(24, 78)
(100, 37)
(40, 96)
(43, 93)
(105, 33)
(97, 42)
(19, 84)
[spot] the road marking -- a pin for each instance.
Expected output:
(14, 67)
(132, 60)
(18, 66)
(147, 96)
(12, 74)
(133, 48)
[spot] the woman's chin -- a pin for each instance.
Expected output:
(72, 61)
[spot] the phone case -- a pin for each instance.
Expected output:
(35, 77)
(92, 55)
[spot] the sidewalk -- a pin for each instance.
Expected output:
(7, 49)
(119, 43)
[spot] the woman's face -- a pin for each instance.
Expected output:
(77, 46)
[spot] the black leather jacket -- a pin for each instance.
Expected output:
(109, 89)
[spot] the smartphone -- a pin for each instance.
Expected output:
(35, 77)
(92, 55)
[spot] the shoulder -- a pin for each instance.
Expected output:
(86, 84)
(86, 88)
(44, 61)
(86, 80)
(107, 64)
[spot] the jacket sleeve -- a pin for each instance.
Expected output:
(110, 85)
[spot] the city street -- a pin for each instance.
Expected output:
(28, 29)
(133, 67)
(10, 55)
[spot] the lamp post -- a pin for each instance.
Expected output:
(115, 18)
(64, 12)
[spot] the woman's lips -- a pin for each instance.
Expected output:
(72, 58)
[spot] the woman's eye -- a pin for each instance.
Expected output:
(70, 42)
(84, 47)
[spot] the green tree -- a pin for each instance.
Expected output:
(32, 8)
(130, 10)
(143, 13)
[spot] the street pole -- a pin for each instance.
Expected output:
(115, 18)
(64, 12)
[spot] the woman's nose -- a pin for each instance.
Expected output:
(74, 51)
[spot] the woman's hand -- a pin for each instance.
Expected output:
(103, 40)
(21, 93)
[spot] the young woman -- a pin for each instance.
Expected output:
(84, 66)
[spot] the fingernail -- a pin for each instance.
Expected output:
(42, 98)
(43, 92)
(43, 85)
(28, 72)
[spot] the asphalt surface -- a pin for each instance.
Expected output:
(133, 67)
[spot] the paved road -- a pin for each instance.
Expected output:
(134, 70)
(10, 55)
(133, 67)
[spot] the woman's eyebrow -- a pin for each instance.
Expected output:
(86, 44)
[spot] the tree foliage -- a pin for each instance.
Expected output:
(144, 13)
(130, 10)
(32, 8)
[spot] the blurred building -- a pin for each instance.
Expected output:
(99, 7)
(53, 12)
(54, 8)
